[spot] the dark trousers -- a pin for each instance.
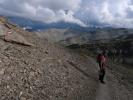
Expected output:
(101, 72)
(101, 75)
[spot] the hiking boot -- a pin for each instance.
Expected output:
(102, 82)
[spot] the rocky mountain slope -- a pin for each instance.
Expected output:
(100, 35)
(70, 36)
(31, 68)
(56, 35)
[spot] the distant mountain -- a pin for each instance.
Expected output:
(57, 35)
(69, 33)
(102, 35)
(37, 25)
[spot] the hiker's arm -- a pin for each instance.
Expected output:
(101, 65)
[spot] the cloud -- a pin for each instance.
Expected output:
(43, 10)
(116, 13)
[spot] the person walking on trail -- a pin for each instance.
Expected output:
(102, 60)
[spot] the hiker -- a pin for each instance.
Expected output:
(102, 59)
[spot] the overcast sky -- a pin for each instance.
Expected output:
(117, 13)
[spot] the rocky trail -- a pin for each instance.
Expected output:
(31, 68)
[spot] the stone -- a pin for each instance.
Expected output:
(2, 71)
(23, 98)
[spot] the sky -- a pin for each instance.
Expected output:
(116, 13)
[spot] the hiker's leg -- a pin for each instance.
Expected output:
(103, 74)
(100, 75)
